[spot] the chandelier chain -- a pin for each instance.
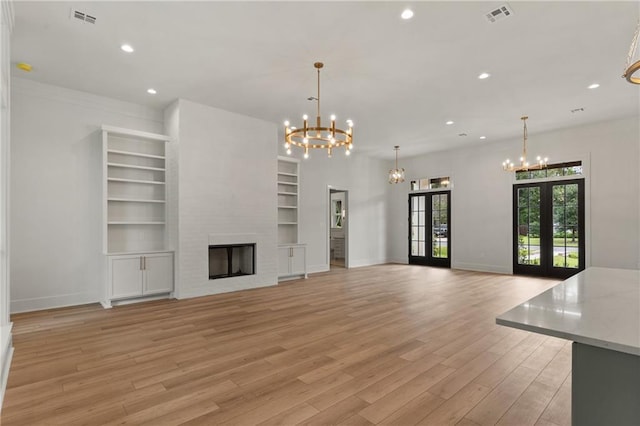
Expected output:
(525, 136)
(318, 98)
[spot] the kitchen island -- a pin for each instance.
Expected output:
(599, 310)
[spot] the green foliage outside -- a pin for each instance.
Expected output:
(440, 251)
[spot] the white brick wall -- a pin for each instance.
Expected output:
(225, 185)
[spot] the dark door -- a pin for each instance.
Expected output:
(548, 228)
(430, 229)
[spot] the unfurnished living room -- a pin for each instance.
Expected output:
(322, 213)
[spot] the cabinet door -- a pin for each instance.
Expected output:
(125, 274)
(158, 273)
(284, 267)
(299, 261)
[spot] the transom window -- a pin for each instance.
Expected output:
(552, 170)
(430, 183)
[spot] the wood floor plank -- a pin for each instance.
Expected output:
(462, 376)
(387, 344)
(559, 409)
(338, 413)
(500, 399)
(528, 408)
(402, 395)
(292, 416)
(453, 410)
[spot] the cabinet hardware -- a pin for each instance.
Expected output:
(141, 266)
(144, 262)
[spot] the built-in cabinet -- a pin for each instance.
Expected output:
(292, 259)
(132, 276)
(135, 238)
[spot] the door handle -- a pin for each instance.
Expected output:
(144, 262)
(141, 265)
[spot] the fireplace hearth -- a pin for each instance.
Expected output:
(231, 260)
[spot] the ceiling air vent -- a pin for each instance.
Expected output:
(83, 16)
(500, 13)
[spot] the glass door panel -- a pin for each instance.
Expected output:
(529, 226)
(566, 238)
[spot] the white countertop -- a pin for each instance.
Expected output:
(598, 307)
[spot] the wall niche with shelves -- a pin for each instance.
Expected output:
(134, 207)
(291, 253)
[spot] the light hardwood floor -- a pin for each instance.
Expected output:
(389, 344)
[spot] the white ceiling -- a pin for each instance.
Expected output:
(399, 81)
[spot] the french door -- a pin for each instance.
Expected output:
(548, 228)
(430, 229)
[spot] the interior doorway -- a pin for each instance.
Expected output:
(338, 228)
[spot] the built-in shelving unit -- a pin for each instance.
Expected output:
(135, 238)
(288, 174)
(291, 254)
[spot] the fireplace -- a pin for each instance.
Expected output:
(231, 260)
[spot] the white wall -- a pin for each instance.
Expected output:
(6, 348)
(227, 171)
(482, 192)
(56, 203)
(366, 180)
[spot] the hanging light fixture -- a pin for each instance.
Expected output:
(396, 175)
(318, 136)
(541, 163)
(630, 69)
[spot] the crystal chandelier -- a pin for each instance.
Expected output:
(396, 175)
(318, 136)
(631, 69)
(541, 163)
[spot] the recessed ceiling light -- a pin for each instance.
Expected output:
(127, 48)
(483, 137)
(449, 123)
(594, 86)
(407, 14)
(151, 91)
(484, 75)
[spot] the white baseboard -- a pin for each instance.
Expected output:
(6, 354)
(358, 263)
(51, 302)
(479, 267)
(314, 269)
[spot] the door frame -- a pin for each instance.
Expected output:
(547, 269)
(345, 225)
(429, 260)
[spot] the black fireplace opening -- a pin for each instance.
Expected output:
(232, 260)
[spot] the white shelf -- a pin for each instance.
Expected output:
(287, 183)
(287, 207)
(131, 166)
(287, 193)
(131, 200)
(134, 223)
(287, 223)
(151, 182)
(135, 154)
(287, 174)
(119, 131)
